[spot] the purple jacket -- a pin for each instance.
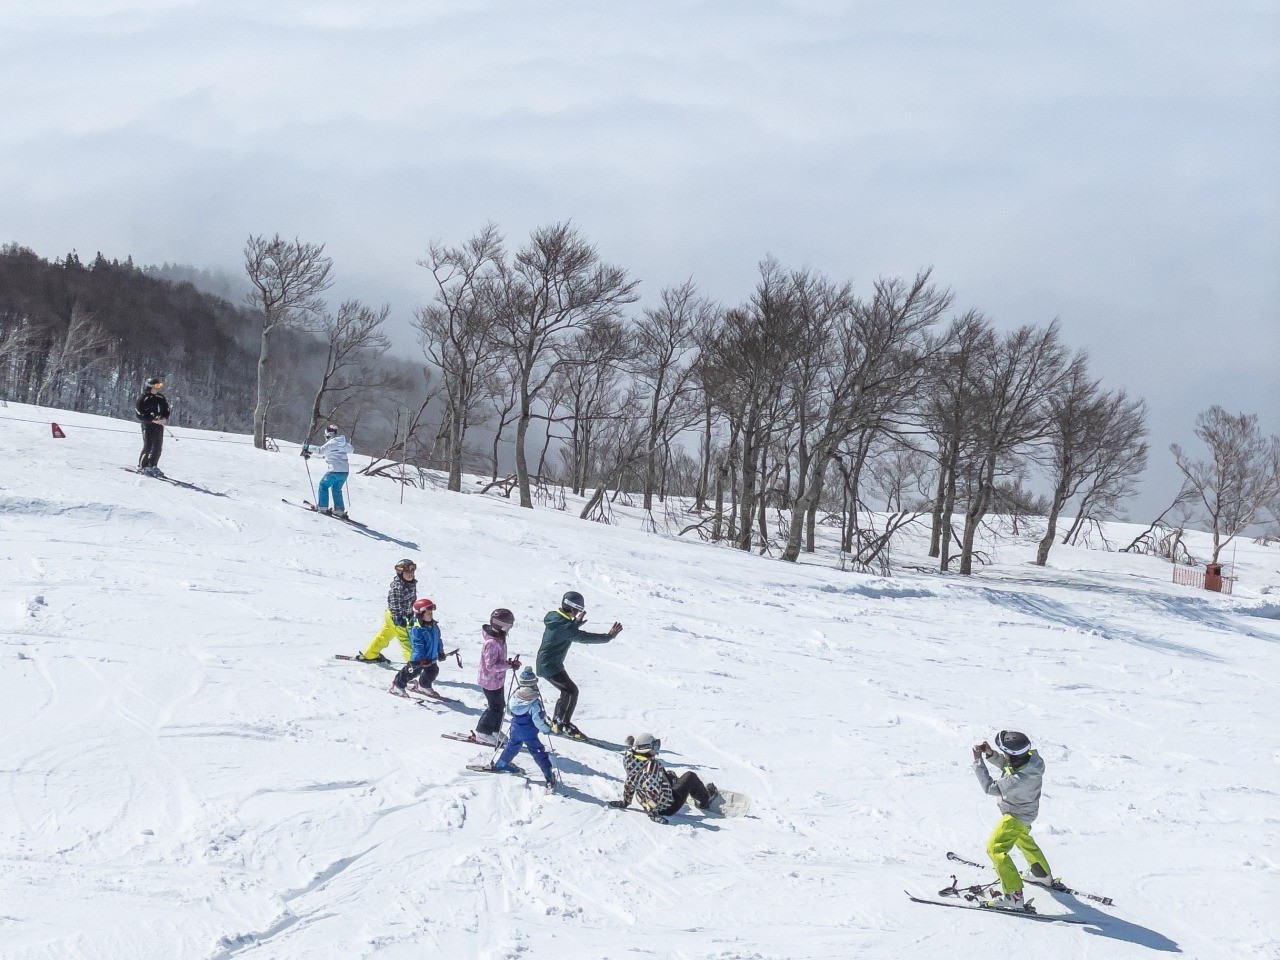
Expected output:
(492, 674)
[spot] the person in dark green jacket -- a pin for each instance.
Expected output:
(563, 628)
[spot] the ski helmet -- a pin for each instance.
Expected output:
(527, 678)
(423, 606)
(1012, 743)
(502, 620)
(573, 601)
(645, 743)
(155, 382)
(406, 565)
(331, 430)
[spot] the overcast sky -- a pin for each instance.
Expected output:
(1115, 165)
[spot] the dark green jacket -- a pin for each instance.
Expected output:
(560, 632)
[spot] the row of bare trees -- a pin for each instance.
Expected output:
(806, 403)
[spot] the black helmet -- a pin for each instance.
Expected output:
(406, 564)
(154, 382)
(502, 620)
(573, 601)
(1012, 743)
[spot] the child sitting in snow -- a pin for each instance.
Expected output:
(658, 791)
(528, 719)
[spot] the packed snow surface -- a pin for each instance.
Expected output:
(188, 771)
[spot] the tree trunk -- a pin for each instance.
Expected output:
(746, 488)
(522, 463)
(457, 429)
(260, 408)
(704, 481)
(1046, 542)
(806, 504)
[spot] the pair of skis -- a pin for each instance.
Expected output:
(510, 768)
(170, 480)
(973, 894)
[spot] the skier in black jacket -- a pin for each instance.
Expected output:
(153, 411)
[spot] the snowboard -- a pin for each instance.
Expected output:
(730, 803)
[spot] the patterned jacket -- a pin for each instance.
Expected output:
(492, 673)
(400, 600)
(648, 780)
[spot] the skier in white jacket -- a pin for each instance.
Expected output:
(1018, 795)
(335, 451)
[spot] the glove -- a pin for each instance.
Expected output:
(514, 663)
(618, 804)
(306, 454)
(658, 818)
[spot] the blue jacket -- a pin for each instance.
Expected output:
(527, 718)
(425, 641)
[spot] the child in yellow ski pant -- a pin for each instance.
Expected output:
(1011, 832)
(390, 631)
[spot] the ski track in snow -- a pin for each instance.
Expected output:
(189, 773)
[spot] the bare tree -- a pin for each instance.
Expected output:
(1240, 481)
(588, 383)
(951, 388)
(880, 353)
(1118, 461)
(1090, 432)
(354, 337)
(83, 346)
(748, 362)
(555, 285)
(667, 337)
(457, 331)
(1013, 382)
(288, 278)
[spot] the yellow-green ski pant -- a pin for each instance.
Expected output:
(1011, 832)
(384, 636)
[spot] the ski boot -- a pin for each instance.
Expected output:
(1007, 901)
(361, 658)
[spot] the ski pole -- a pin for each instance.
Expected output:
(306, 461)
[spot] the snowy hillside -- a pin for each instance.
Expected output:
(188, 773)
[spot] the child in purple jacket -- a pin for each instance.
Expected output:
(492, 673)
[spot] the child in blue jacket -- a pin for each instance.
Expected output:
(426, 649)
(527, 720)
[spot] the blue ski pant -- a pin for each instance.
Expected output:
(521, 739)
(332, 481)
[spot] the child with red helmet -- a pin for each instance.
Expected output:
(426, 650)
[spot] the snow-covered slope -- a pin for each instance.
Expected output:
(187, 771)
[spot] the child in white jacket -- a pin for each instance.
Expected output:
(335, 451)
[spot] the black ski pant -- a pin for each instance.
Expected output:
(424, 671)
(687, 785)
(152, 441)
(568, 696)
(491, 719)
